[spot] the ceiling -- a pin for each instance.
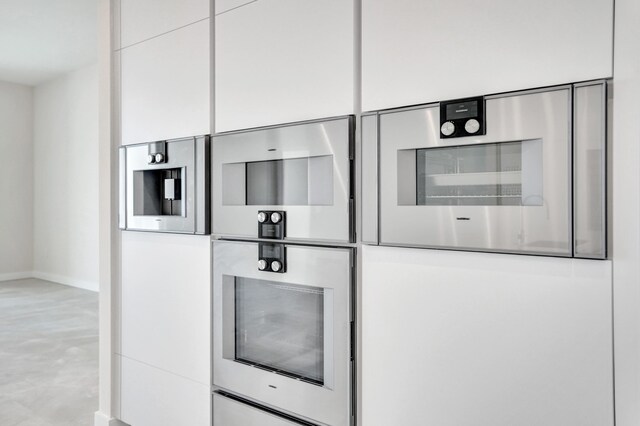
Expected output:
(42, 39)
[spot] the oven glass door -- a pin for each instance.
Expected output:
(506, 191)
(280, 327)
(284, 339)
(494, 174)
(303, 169)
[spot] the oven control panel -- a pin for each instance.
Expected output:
(272, 258)
(271, 224)
(462, 117)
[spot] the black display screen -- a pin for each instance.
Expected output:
(466, 109)
(270, 251)
(269, 231)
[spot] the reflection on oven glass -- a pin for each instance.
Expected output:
(496, 174)
(280, 327)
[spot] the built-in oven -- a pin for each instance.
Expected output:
(291, 182)
(164, 186)
(282, 332)
(521, 172)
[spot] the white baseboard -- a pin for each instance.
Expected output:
(101, 419)
(61, 279)
(16, 276)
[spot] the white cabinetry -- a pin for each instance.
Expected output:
(166, 86)
(485, 339)
(165, 306)
(283, 60)
(153, 397)
(223, 6)
(143, 19)
(416, 51)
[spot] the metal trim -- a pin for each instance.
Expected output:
(603, 169)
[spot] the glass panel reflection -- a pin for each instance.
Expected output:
(498, 174)
(306, 181)
(280, 327)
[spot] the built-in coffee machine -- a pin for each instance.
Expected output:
(164, 186)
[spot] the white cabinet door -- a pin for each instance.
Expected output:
(416, 51)
(452, 338)
(152, 397)
(165, 302)
(142, 19)
(279, 61)
(166, 86)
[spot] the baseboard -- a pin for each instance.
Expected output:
(16, 276)
(61, 279)
(101, 419)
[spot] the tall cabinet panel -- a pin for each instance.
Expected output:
(165, 86)
(165, 302)
(143, 19)
(416, 51)
(164, 345)
(485, 339)
(283, 60)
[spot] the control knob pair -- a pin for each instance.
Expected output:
(155, 158)
(275, 265)
(275, 217)
(471, 126)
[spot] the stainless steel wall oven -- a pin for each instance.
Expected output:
(283, 275)
(521, 172)
(302, 171)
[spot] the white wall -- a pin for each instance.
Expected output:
(66, 179)
(16, 181)
(626, 211)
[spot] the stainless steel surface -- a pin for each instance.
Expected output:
(589, 173)
(147, 200)
(316, 275)
(536, 118)
(230, 412)
(262, 264)
(472, 125)
(369, 167)
(303, 169)
(276, 265)
(447, 128)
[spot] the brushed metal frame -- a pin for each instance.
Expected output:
(369, 212)
(194, 160)
(329, 268)
(579, 146)
(319, 223)
(239, 411)
(490, 137)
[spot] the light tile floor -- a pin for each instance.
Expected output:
(48, 354)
